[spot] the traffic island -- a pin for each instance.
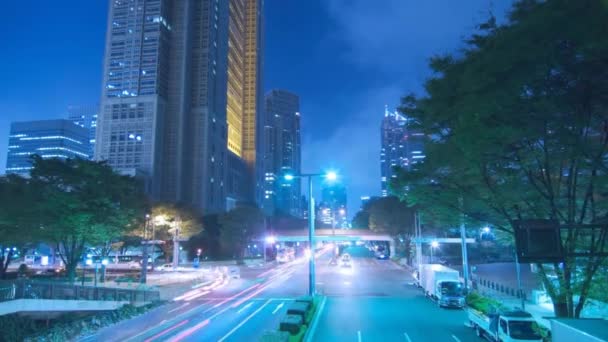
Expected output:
(298, 322)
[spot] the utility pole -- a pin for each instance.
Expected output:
(176, 246)
(463, 237)
(144, 263)
(519, 287)
(418, 229)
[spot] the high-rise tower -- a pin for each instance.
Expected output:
(281, 153)
(163, 105)
(400, 147)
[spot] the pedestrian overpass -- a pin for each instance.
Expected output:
(334, 235)
(344, 235)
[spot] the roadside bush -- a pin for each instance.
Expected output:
(483, 304)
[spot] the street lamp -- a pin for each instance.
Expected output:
(268, 240)
(330, 176)
(434, 244)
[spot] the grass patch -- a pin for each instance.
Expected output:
(300, 335)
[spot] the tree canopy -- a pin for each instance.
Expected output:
(80, 203)
(517, 126)
(239, 226)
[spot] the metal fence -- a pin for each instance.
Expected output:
(500, 288)
(27, 289)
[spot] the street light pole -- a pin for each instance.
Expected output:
(463, 238)
(176, 247)
(311, 232)
(331, 176)
(144, 263)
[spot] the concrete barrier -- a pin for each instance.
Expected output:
(56, 305)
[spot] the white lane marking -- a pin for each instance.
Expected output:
(278, 308)
(244, 321)
(163, 321)
(456, 338)
(359, 335)
(179, 307)
(407, 337)
(244, 307)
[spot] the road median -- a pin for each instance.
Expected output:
(299, 321)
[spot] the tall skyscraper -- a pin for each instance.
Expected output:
(163, 112)
(46, 138)
(281, 153)
(243, 105)
(332, 208)
(85, 116)
(400, 147)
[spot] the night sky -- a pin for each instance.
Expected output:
(345, 58)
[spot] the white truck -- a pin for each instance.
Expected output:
(442, 284)
(508, 326)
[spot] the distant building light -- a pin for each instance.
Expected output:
(416, 152)
(419, 156)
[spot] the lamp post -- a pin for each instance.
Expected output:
(271, 240)
(434, 244)
(145, 242)
(330, 176)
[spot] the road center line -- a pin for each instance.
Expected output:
(456, 338)
(407, 337)
(244, 307)
(244, 321)
(278, 308)
(359, 335)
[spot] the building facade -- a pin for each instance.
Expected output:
(401, 146)
(46, 138)
(281, 153)
(163, 112)
(332, 209)
(85, 116)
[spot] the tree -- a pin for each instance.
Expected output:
(392, 216)
(82, 203)
(16, 227)
(167, 217)
(518, 129)
(361, 219)
(240, 226)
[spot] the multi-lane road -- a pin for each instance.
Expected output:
(374, 300)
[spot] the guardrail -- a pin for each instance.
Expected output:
(27, 289)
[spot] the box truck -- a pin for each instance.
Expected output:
(442, 284)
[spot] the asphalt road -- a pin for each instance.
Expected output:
(240, 310)
(376, 301)
(371, 301)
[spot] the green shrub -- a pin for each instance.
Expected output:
(483, 304)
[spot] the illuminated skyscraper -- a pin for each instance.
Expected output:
(400, 147)
(163, 105)
(244, 86)
(281, 153)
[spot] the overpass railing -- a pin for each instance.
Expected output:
(27, 289)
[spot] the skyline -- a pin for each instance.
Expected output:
(342, 44)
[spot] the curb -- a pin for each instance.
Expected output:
(313, 326)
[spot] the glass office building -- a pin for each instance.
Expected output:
(46, 138)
